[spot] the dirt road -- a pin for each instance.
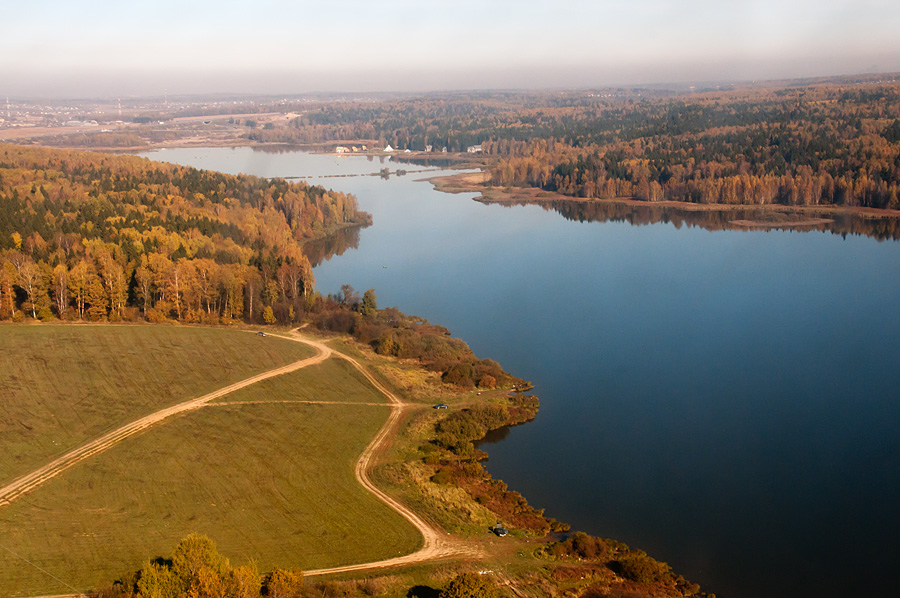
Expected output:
(436, 544)
(30, 481)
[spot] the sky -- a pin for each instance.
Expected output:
(102, 48)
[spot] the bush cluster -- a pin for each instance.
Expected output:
(455, 436)
(390, 332)
(632, 565)
(197, 569)
(461, 428)
(582, 546)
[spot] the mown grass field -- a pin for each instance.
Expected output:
(63, 385)
(268, 481)
(333, 380)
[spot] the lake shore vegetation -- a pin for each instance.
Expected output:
(91, 239)
(96, 237)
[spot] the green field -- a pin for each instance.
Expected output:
(63, 385)
(268, 481)
(333, 380)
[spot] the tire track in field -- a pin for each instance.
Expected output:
(436, 544)
(30, 481)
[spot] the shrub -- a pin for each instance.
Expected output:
(487, 381)
(285, 583)
(637, 566)
(460, 374)
(582, 546)
(469, 585)
(337, 321)
(443, 476)
(155, 316)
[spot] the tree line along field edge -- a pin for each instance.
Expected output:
(101, 237)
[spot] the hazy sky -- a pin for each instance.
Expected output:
(108, 48)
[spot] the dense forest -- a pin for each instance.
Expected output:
(822, 143)
(815, 146)
(826, 142)
(102, 237)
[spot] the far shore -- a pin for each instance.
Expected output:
(771, 215)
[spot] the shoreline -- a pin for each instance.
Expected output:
(483, 485)
(444, 548)
(475, 183)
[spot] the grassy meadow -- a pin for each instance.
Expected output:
(267, 472)
(269, 481)
(333, 380)
(64, 385)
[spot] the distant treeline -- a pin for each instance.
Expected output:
(819, 144)
(811, 146)
(94, 236)
(871, 225)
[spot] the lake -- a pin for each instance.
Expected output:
(725, 400)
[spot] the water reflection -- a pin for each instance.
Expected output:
(881, 228)
(313, 148)
(322, 250)
(494, 436)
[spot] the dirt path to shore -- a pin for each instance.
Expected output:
(436, 544)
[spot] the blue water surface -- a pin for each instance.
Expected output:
(724, 400)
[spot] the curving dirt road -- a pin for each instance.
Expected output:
(435, 543)
(30, 481)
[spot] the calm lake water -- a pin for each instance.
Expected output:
(725, 400)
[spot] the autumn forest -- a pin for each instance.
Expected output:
(96, 237)
(802, 143)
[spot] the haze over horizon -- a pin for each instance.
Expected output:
(60, 49)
